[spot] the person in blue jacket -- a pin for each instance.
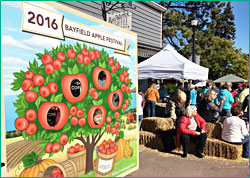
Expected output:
(193, 95)
(208, 87)
(226, 111)
(162, 91)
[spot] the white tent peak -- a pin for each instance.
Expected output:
(168, 63)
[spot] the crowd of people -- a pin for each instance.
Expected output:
(227, 103)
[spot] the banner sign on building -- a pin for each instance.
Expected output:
(121, 19)
(68, 93)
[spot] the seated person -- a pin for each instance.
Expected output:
(208, 109)
(192, 127)
(162, 91)
(97, 116)
(235, 131)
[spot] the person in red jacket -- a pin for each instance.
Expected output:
(192, 127)
(233, 92)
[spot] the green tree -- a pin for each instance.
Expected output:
(86, 133)
(177, 28)
(221, 57)
(223, 23)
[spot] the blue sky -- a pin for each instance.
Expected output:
(241, 12)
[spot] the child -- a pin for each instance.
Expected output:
(193, 95)
(97, 116)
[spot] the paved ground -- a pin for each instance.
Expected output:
(157, 164)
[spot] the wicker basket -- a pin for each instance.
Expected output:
(79, 159)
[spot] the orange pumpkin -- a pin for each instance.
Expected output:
(40, 165)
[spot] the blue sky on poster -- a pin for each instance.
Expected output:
(19, 47)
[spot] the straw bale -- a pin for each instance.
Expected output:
(214, 130)
(151, 140)
(218, 148)
(157, 124)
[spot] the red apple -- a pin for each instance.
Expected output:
(91, 90)
(124, 107)
(95, 95)
(56, 147)
(71, 53)
(85, 52)
(29, 75)
(82, 147)
(79, 113)
(97, 54)
(30, 115)
(86, 60)
(46, 59)
(21, 123)
(57, 64)
(38, 80)
(108, 127)
(71, 150)
(82, 121)
(60, 56)
(53, 87)
(126, 80)
(26, 84)
(110, 61)
(44, 91)
(123, 87)
(92, 55)
(122, 77)
(49, 69)
(74, 121)
(113, 130)
(73, 110)
(117, 65)
(30, 96)
(77, 146)
(48, 147)
(113, 69)
(108, 119)
(63, 140)
(117, 115)
(31, 129)
(116, 124)
(80, 58)
(127, 102)
(56, 171)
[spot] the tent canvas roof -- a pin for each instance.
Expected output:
(230, 78)
(168, 63)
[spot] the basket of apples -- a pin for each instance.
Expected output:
(106, 153)
(77, 154)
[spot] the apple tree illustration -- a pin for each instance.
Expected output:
(61, 95)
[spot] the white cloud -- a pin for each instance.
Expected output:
(13, 69)
(15, 4)
(122, 59)
(7, 77)
(8, 91)
(41, 42)
(14, 61)
(126, 36)
(12, 29)
(45, 6)
(11, 42)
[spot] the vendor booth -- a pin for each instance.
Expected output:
(169, 64)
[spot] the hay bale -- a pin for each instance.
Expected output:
(157, 124)
(214, 130)
(218, 148)
(151, 140)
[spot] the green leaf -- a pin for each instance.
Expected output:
(74, 134)
(95, 102)
(51, 154)
(53, 138)
(59, 98)
(53, 98)
(70, 70)
(17, 75)
(75, 69)
(42, 153)
(100, 102)
(44, 143)
(29, 159)
(62, 148)
(43, 134)
(24, 134)
(66, 128)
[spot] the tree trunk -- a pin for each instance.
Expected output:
(89, 160)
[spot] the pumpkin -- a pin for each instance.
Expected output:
(120, 150)
(34, 167)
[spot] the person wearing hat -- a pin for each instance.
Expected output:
(193, 95)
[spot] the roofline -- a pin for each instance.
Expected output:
(155, 5)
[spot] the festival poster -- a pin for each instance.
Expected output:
(68, 93)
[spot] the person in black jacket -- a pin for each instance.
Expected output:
(208, 109)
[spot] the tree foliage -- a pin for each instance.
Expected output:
(214, 35)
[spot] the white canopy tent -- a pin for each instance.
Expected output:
(168, 63)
